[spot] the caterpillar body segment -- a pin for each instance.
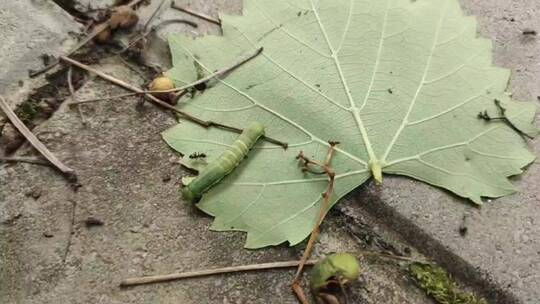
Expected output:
(224, 164)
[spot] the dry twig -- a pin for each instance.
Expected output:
(204, 123)
(70, 231)
(73, 96)
(208, 272)
(182, 89)
(35, 142)
(213, 75)
(324, 168)
(145, 31)
(196, 14)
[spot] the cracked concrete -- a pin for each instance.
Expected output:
(130, 182)
(30, 29)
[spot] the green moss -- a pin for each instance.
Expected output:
(437, 283)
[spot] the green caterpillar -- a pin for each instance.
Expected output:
(224, 164)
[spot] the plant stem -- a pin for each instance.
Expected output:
(73, 96)
(213, 75)
(35, 142)
(196, 14)
(326, 167)
(208, 272)
(204, 123)
(187, 86)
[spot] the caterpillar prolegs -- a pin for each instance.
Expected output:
(224, 164)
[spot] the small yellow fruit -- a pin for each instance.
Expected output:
(162, 83)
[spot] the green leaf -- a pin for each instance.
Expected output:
(521, 115)
(398, 83)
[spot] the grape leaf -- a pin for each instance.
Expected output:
(398, 83)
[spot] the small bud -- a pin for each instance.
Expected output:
(341, 267)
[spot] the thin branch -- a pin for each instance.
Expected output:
(179, 95)
(35, 142)
(153, 15)
(208, 272)
(183, 88)
(28, 160)
(299, 293)
(196, 14)
(213, 75)
(97, 30)
(204, 123)
(502, 110)
(70, 231)
(171, 21)
(73, 96)
(146, 31)
(327, 169)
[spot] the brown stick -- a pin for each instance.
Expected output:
(70, 231)
(204, 123)
(34, 141)
(326, 167)
(196, 14)
(185, 87)
(73, 96)
(97, 30)
(208, 272)
(213, 75)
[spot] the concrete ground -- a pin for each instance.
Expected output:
(130, 178)
(130, 181)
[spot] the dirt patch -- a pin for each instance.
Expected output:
(41, 103)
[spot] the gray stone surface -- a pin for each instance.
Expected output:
(122, 163)
(130, 181)
(28, 29)
(501, 249)
(87, 6)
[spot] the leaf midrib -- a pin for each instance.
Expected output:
(354, 110)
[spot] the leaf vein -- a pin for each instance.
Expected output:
(420, 86)
(355, 111)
